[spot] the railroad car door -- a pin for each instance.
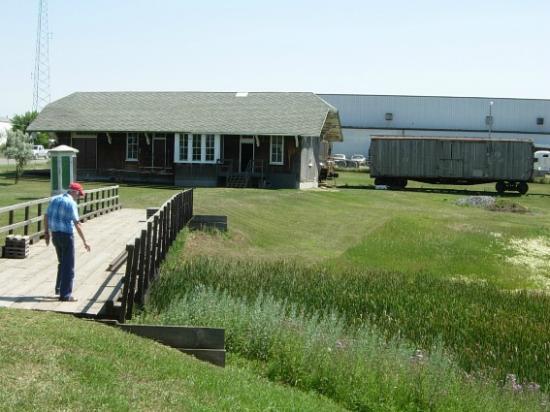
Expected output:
(451, 158)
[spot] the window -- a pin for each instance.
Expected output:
(276, 150)
(210, 148)
(197, 145)
(132, 146)
(196, 148)
(184, 147)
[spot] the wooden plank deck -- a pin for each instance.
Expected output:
(29, 283)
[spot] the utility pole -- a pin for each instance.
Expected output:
(41, 91)
(490, 119)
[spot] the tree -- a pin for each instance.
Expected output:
(19, 148)
(22, 121)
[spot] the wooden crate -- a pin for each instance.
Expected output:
(17, 247)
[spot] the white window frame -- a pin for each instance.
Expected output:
(282, 161)
(189, 139)
(128, 136)
(177, 147)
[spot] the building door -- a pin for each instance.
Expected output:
(87, 151)
(159, 152)
(246, 152)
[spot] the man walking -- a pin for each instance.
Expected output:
(60, 220)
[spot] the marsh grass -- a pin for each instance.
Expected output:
(356, 366)
(486, 329)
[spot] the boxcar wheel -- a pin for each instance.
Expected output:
(500, 187)
(523, 188)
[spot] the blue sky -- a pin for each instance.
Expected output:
(460, 48)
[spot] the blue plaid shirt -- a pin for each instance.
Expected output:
(62, 214)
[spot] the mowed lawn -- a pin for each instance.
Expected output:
(417, 230)
(420, 229)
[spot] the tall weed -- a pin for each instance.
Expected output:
(355, 366)
(486, 329)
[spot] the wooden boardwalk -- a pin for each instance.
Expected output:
(29, 283)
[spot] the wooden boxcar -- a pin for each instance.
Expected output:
(509, 163)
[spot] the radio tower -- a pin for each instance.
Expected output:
(41, 94)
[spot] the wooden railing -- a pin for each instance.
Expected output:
(95, 202)
(145, 253)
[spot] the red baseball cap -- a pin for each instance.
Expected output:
(77, 187)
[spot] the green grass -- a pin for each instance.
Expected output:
(413, 263)
(56, 362)
(406, 231)
(331, 334)
(358, 369)
(486, 329)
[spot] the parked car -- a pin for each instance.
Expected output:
(359, 160)
(38, 152)
(339, 160)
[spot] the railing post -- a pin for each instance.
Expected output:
(155, 248)
(133, 279)
(160, 239)
(10, 222)
(102, 200)
(26, 227)
(147, 265)
(126, 288)
(172, 220)
(39, 213)
(141, 268)
(164, 231)
(191, 204)
(168, 227)
(85, 208)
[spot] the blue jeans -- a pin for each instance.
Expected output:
(64, 247)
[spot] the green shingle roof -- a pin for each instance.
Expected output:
(302, 114)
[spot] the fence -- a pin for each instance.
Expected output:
(96, 202)
(145, 253)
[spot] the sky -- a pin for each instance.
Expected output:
(484, 48)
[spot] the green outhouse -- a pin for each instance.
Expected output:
(63, 168)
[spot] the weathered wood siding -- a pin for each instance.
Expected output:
(471, 159)
(309, 168)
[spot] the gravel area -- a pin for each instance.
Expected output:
(476, 201)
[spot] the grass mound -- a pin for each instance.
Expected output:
(56, 362)
(502, 205)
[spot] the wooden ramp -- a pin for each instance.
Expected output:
(29, 283)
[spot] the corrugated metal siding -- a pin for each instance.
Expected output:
(442, 158)
(444, 113)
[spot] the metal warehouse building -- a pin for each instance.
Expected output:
(363, 116)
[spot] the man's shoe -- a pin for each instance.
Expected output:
(69, 299)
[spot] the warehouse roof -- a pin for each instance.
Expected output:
(274, 113)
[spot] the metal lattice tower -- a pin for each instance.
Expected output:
(41, 94)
